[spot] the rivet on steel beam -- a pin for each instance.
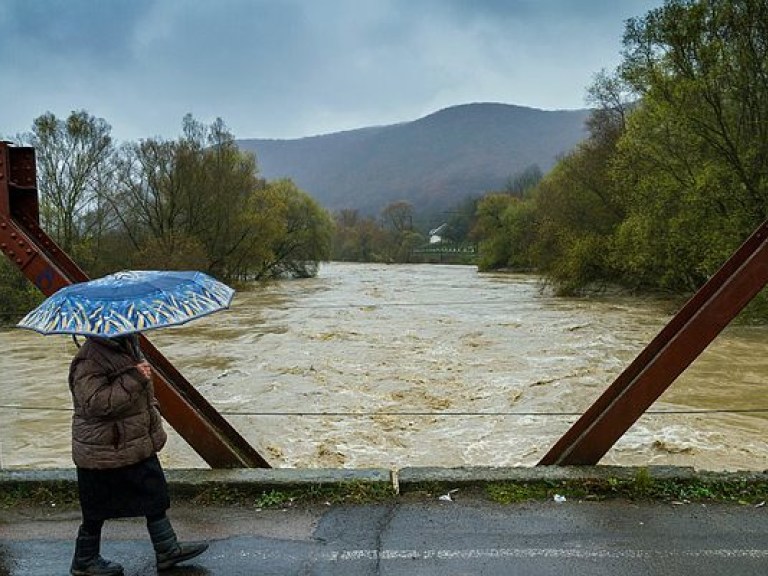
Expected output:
(19, 260)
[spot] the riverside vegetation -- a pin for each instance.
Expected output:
(673, 176)
(671, 179)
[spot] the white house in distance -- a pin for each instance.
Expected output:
(435, 235)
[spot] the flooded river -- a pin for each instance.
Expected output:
(394, 366)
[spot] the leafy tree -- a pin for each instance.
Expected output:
(520, 221)
(679, 227)
(398, 217)
(182, 202)
(612, 100)
(696, 149)
(191, 203)
(17, 294)
(73, 157)
(357, 238)
(344, 246)
(706, 62)
(149, 198)
(402, 239)
(524, 181)
(492, 228)
(674, 173)
(462, 220)
(299, 236)
(187, 254)
(218, 190)
(576, 209)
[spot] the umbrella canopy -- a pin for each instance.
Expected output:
(128, 302)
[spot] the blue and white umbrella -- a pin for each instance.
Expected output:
(128, 302)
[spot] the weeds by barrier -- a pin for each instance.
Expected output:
(259, 488)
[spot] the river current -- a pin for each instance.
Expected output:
(416, 365)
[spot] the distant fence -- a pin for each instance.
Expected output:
(445, 253)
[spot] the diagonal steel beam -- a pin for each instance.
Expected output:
(50, 268)
(679, 343)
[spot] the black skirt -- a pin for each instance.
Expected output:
(136, 490)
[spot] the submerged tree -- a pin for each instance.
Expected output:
(289, 230)
(198, 202)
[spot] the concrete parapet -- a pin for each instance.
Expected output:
(479, 474)
(194, 483)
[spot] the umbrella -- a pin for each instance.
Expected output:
(128, 302)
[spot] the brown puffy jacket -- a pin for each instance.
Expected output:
(116, 420)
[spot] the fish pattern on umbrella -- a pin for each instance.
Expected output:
(71, 310)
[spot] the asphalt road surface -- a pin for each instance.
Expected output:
(463, 537)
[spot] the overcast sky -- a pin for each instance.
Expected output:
(294, 68)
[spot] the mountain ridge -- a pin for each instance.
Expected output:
(433, 162)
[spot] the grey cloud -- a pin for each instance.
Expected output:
(97, 31)
(288, 68)
(535, 10)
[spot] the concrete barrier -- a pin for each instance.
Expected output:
(216, 485)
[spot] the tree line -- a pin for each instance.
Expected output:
(195, 202)
(673, 175)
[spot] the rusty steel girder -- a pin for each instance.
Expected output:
(678, 344)
(25, 244)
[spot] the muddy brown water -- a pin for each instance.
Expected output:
(394, 366)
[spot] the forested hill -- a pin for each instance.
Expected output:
(433, 162)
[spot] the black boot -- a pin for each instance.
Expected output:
(168, 550)
(87, 560)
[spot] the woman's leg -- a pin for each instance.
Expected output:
(92, 527)
(168, 550)
(87, 560)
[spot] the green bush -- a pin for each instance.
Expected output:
(17, 294)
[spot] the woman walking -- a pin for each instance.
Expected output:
(116, 434)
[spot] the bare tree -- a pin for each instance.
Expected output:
(71, 157)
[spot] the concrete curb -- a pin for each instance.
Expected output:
(190, 483)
